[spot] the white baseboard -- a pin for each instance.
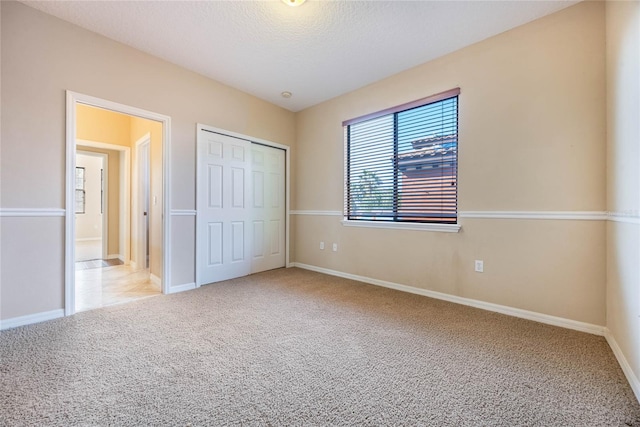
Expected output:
(155, 280)
(31, 318)
(181, 288)
(626, 368)
(503, 309)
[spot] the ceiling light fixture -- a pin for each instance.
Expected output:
(294, 2)
(286, 94)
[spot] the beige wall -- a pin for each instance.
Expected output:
(623, 178)
(532, 138)
(23, 240)
(42, 57)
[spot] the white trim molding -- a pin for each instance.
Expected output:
(317, 213)
(183, 212)
(497, 308)
(417, 226)
(32, 212)
(557, 215)
(102, 145)
(624, 217)
(31, 318)
(74, 98)
(624, 364)
(174, 289)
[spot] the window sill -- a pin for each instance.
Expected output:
(443, 228)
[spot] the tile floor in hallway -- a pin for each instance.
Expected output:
(99, 287)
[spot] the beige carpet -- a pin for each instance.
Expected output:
(291, 347)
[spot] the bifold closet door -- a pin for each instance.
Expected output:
(268, 208)
(224, 207)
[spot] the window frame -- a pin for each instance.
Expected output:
(394, 224)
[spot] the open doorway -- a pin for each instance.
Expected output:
(117, 236)
(90, 207)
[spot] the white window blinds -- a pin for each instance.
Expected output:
(402, 163)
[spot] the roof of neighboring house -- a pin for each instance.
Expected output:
(434, 140)
(431, 149)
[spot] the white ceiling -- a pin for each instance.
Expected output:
(317, 51)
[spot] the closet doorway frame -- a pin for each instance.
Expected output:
(287, 188)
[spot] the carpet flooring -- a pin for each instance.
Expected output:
(293, 347)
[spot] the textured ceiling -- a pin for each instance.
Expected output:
(317, 51)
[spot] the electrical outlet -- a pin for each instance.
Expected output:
(322, 246)
(479, 266)
(335, 247)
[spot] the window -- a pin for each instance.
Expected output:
(402, 163)
(80, 199)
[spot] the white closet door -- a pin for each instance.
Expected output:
(268, 205)
(224, 207)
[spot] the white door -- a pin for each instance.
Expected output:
(142, 206)
(224, 209)
(145, 177)
(268, 207)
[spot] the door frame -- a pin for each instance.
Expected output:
(72, 99)
(287, 172)
(124, 181)
(104, 196)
